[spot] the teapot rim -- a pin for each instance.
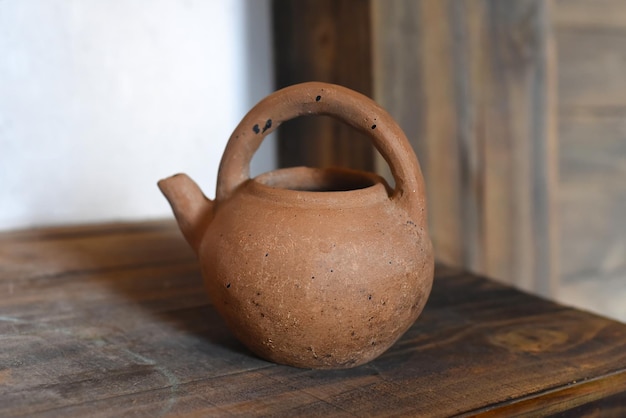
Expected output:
(305, 186)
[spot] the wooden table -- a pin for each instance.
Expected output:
(112, 320)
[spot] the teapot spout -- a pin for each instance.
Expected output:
(192, 209)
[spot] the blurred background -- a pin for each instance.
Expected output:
(99, 100)
(517, 112)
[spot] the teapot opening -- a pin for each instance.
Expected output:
(306, 179)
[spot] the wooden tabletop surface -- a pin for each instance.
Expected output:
(112, 320)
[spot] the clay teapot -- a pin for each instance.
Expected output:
(314, 268)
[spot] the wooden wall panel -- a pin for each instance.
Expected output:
(598, 15)
(323, 40)
(480, 111)
(591, 40)
(592, 74)
(593, 196)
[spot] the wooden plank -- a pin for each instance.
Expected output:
(596, 15)
(591, 40)
(587, 399)
(138, 337)
(592, 67)
(479, 108)
(442, 130)
(80, 249)
(593, 195)
(323, 40)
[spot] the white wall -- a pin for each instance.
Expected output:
(100, 99)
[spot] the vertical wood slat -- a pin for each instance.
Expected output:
(323, 40)
(592, 134)
(480, 112)
(591, 39)
(441, 124)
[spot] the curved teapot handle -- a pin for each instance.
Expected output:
(315, 98)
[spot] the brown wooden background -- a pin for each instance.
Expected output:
(591, 40)
(516, 111)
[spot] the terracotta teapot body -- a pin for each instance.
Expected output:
(314, 268)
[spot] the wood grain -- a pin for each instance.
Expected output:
(323, 40)
(599, 15)
(113, 321)
(478, 104)
(593, 61)
(592, 94)
(593, 196)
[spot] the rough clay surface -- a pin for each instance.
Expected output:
(316, 287)
(314, 279)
